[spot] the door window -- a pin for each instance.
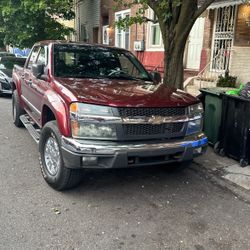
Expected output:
(42, 57)
(33, 56)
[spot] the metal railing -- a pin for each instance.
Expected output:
(208, 76)
(160, 65)
(218, 65)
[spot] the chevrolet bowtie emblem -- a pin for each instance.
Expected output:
(156, 119)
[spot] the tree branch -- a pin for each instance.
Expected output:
(146, 19)
(202, 8)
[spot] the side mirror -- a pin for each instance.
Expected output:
(38, 70)
(156, 76)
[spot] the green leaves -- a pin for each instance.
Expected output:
(163, 9)
(28, 21)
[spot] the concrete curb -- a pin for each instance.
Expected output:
(217, 179)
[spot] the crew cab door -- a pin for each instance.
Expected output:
(26, 81)
(38, 85)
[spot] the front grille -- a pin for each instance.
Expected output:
(148, 112)
(177, 127)
(164, 130)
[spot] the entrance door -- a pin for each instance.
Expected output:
(223, 38)
(195, 44)
(95, 35)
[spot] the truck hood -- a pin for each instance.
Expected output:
(123, 93)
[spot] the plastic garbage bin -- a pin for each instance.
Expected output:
(213, 111)
(235, 128)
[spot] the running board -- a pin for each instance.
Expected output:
(35, 133)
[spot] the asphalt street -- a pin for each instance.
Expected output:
(143, 208)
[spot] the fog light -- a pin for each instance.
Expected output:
(89, 161)
(197, 150)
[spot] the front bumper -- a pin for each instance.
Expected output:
(92, 154)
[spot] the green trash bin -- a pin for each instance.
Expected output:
(213, 112)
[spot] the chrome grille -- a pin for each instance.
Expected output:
(164, 130)
(148, 112)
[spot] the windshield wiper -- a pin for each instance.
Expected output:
(121, 77)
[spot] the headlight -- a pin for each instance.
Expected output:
(89, 109)
(92, 121)
(194, 126)
(196, 109)
(195, 114)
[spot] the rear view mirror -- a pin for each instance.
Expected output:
(156, 76)
(38, 70)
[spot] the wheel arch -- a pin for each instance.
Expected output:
(54, 109)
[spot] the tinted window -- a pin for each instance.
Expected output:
(2, 54)
(42, 57)
(81, 61)
(33, 56)
(8, 63)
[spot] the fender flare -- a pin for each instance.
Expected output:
(16, 84)
(60, 110)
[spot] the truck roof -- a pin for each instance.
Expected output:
(48, 42)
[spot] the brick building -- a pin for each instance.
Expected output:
(219, 40)
(227, 39)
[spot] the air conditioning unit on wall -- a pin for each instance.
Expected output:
(139, 45)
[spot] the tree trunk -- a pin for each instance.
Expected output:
(176, 21)
(173, 65)
(174, 38)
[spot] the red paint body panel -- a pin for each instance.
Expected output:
(59, 93)
(61, 110)
(123, 93)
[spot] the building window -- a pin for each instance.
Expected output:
(155, 32)
(105, 34)
(154, 37)
(122, 37)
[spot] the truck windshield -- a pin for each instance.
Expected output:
(83, 61)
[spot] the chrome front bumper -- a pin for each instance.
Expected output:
(121, 154)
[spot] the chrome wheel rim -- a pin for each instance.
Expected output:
(52, 156)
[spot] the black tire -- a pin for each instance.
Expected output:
(243, 163)
(222, 152)
(64, 178)
(217, 147)
(17, 111)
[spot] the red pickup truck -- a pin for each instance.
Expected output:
(91, 106)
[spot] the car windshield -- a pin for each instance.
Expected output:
(83, 61)
(2, 54)
(8, 63)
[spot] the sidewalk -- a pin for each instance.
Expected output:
(226, 172)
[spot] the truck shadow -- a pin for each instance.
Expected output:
(5, 96)
(125, 180)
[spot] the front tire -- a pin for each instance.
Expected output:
(17, 111)
(52, 166)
